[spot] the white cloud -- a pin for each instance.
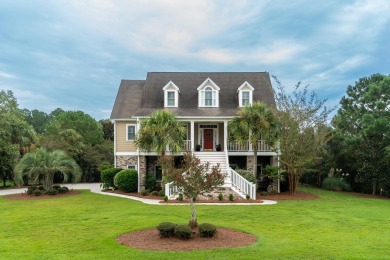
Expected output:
(7, 75)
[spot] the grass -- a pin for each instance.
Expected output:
(85, 227)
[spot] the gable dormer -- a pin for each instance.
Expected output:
(208, 94)
(245, 94)
(171, 95)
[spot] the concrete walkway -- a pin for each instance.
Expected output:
(95, 188)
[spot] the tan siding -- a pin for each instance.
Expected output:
(121, 144)
(246, 88)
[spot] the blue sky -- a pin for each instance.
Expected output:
(73, 54)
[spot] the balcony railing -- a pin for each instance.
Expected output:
(186, 146)
(238, 147)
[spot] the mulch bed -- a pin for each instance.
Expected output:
(299, 195)
(149, 239)
(25, 196)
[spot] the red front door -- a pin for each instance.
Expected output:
(208, 139)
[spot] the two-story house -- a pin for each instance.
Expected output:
(205, 102)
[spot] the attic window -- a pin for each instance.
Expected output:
(208, 94)
(245, 94)
(171, 95)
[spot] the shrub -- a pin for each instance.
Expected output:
(264, 193)
(154, 193)
(51, 192)
(166, 229)
(40, 187)
(161, 193)
(183, 231)
(248, 175)
(207, 230)
(63, 190)
(126, 180)
(145, 192)
(336, 184)
(56, 187)
(247, 197)
(165, 198)
(220, 196)
(37, 192)
(107, 177)
(150, 182)
(31, 189)
(231, 197)
(180, 198)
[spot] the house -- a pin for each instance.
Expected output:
(205, 102)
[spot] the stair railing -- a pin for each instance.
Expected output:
(242, 184)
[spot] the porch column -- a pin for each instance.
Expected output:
(192, 136)
(225, 134)
(138, 163)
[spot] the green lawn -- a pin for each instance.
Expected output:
(85, 227)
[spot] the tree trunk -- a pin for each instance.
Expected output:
(193, 221)
(254, 147)
(374, 184)
(49, 180)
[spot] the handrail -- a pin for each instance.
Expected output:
(242, 184)
(262, 146)
(170, 190)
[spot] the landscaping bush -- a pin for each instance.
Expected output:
(207, 230)
(154, 193)
(231, 197)
(161, 193)
(56, 187)
(220, 197)
(107, 177)
(180, 198)
(145, 192)
(31, 189)
(51, 192)
(166, 229)
(63, 190)
(126, 180)
(37, 192)
(183, 231)
(248, 175)
(150, 182)
(165, 198)
(247, 197)
(336, 184)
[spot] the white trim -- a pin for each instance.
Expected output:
(115, 153)
(246, 83)
(240, 90)
(215, 135)
(170, 83)
(126, 153)
(214, 90)
(127, 133)
(135, 166)
(212, 83)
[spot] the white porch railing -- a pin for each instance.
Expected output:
(242, 184)
(171, 190)
(237, 146)
(187, 145)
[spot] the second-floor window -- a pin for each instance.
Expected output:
(245, 98)
(171, 98)
(130, 133)
(209, 97)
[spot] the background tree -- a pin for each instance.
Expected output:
(255, 122)
(42, 163)
(302, 119)
(108, 129)
(37, 119)
(193, 179)
(363, 122)
(16, 136)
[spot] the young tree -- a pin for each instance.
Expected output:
(46, 164)
(363, 122)
(255, 122)
(193, 179)
(302, 119)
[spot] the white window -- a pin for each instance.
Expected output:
(130, 132)
(132, 167)
(170, 98)
(245, 94)
(208, 93)
(171, 95)
(245, 98)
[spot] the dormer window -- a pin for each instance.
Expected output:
(171, 95)
(208, 94)
(245, 94)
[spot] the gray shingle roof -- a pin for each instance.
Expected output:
(153, 94)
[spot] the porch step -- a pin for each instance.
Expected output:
(214, 158)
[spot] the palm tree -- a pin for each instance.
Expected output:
(255, 122)
(43, 163)
(160, 130)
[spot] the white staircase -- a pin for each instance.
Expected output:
(214, 158)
